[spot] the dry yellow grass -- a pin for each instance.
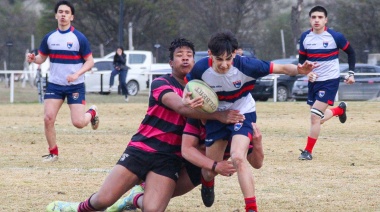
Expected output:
(343, 176)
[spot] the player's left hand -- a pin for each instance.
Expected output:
(71, 78)
(193, 103)
(230, 116)
(307, 67)
(349, 80)
(312, 76)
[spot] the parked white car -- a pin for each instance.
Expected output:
(98, 78)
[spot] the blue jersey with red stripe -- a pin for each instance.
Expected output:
(324, 49)
(162, 128)
(234, 87)
(66, 50)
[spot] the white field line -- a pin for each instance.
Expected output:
(55, 169)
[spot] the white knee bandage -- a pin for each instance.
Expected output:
(317, 112)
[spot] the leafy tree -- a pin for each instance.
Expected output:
(16, 28)
(359, 21)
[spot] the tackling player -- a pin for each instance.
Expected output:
(193, 150)
(153, 154)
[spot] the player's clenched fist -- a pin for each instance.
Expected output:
(31, 57)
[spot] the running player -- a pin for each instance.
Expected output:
(322, 44)
(70, 57)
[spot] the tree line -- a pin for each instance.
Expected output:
(257, 24)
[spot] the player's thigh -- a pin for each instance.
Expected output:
(184, 183)
(322, 106)
(51, 107)
(158, 191)
(118, 182)
(239, 146)
(216, 150)
(77, 112)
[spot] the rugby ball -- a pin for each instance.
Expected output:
(200, 88)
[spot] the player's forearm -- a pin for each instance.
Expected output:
(194, 156)
(288, 69)
(86, 67)
(351, 58)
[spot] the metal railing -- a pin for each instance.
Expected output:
(12, 80)
(150, 77)
(336, 98)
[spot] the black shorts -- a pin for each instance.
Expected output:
(194, 172)
(140, 163)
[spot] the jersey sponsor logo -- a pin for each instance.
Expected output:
(123, 156)
(321, 94)
(75, 96)
(325, 43)
(237, 84)
(69, 45)
(237, 126)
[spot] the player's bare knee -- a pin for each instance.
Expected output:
(237, 159)
(256, 161)
(102, 202)
(78, 124)
(49, 119)
(257, 164)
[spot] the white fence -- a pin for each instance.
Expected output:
(150, 76)
(27, 74)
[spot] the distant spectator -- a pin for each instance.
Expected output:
(120, 68)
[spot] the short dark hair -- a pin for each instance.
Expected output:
(221, 42)
(318, 9)
(177, 43)
(67, 3)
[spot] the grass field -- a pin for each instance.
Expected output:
(343, 176)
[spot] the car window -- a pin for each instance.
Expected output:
(104, 65)
(136, 58)
(368, 70)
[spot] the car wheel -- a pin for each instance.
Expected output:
(133, 88)
(282, 94)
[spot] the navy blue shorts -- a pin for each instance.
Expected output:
(141, 162)
(324, 91)
(75, 93)
(216, 130)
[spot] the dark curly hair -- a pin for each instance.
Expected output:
(177, 43)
